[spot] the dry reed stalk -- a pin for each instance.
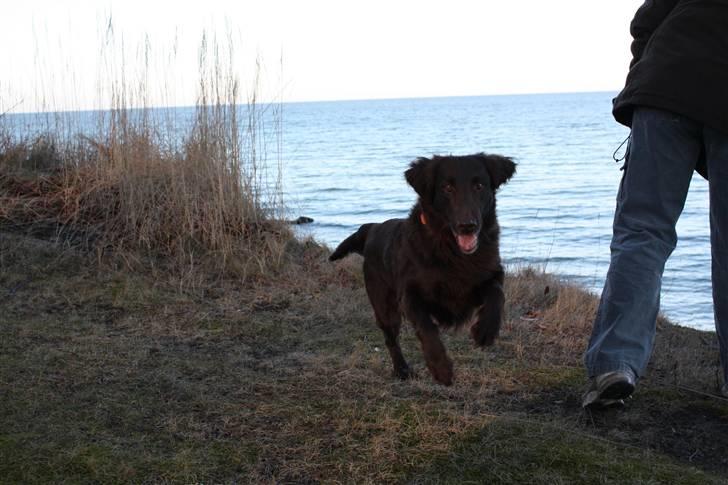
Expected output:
(142, 184)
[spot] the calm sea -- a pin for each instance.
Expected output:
(343, 166)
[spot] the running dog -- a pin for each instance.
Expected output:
(441, 266)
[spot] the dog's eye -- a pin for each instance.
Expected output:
(478, 186)
(448, 188)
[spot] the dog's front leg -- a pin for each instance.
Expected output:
(438, 363)
(486, 328)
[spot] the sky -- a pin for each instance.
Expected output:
(73, 54)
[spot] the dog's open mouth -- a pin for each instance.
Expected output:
(468, 243)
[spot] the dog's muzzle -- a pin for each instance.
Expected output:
(466, 236)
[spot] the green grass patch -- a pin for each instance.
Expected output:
(507, 451)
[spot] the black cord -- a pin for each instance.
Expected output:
(626, 151)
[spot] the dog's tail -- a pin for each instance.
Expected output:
(352, 244)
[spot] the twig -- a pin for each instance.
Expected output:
(701, 393)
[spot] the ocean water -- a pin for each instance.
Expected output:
(344, 164)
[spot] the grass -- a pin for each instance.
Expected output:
(137, 184)
(116, 376)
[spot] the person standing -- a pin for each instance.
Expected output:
(675, 100)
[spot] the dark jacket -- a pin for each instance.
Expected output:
(680, 61)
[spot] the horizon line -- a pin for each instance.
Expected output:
(448, 96)
(313, 101)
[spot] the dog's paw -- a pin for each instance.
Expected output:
(484, 334)
(442, 371)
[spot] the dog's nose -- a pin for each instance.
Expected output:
(467, 228)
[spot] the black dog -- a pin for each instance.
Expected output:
(441, 266)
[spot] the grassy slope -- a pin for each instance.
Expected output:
(111, 376)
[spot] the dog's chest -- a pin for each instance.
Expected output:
(453, 302)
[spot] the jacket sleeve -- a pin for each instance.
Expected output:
(648, 17)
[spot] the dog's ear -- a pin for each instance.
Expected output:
(418, 176)
(499, 168)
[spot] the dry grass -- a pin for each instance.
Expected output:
(111, 376)
(134, 183)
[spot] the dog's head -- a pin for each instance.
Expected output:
(458, 192)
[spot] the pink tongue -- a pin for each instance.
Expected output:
(467, 242)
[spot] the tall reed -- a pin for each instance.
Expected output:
(150, 183)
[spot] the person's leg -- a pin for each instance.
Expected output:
(716, 151)
(662, 155)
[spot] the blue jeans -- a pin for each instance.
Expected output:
(663, 152)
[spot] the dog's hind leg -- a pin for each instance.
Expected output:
(485, 330)
(389, 321)
(391, 339)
